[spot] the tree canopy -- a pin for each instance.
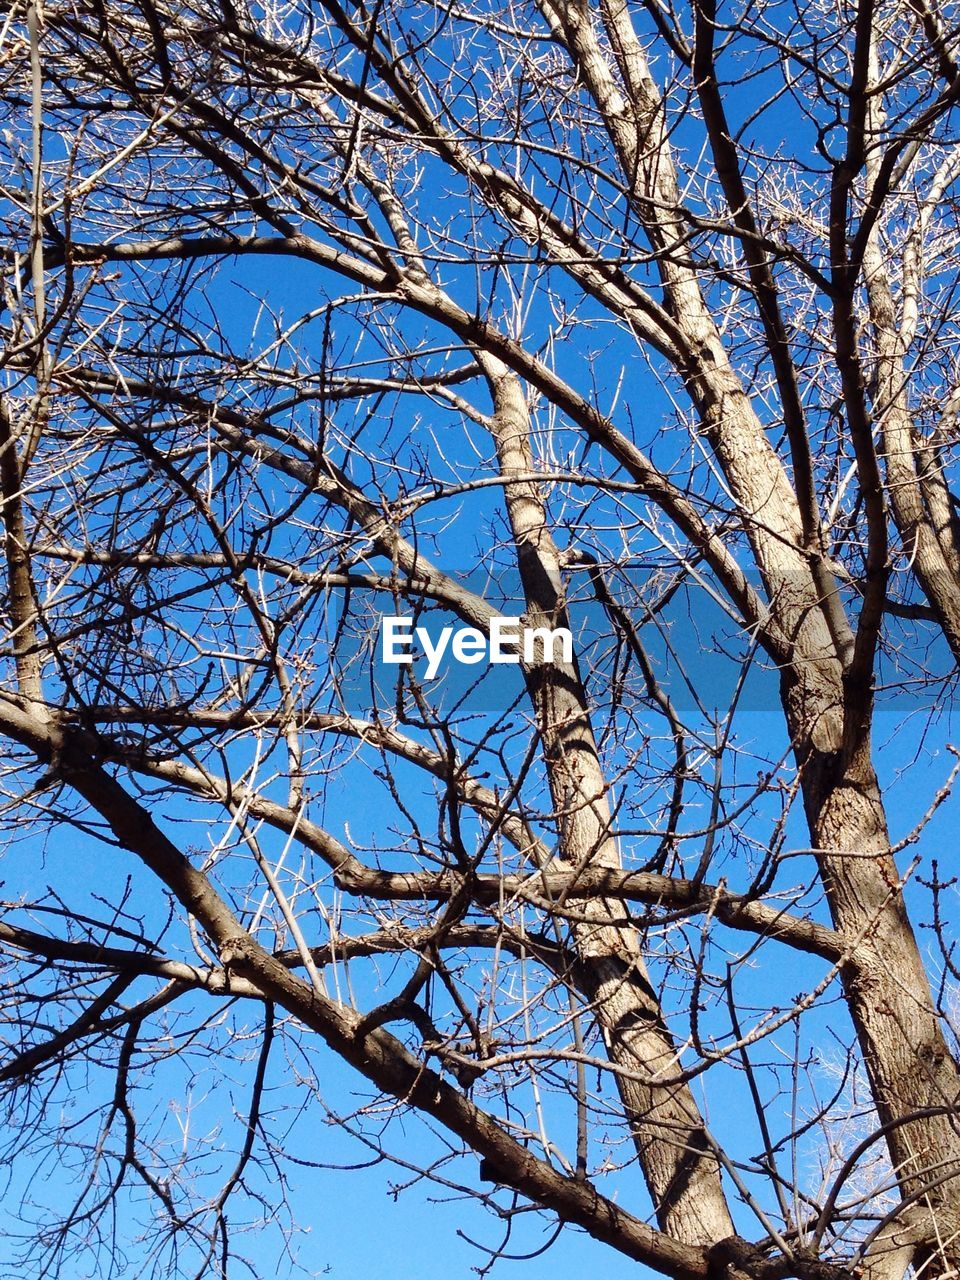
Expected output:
(632, 318)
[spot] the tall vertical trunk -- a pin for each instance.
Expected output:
(911, 1070)
(678, 1162)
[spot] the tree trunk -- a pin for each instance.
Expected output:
(679, 1165)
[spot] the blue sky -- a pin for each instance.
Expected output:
(356, 1227)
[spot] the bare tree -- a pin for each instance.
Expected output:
(635, 319)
